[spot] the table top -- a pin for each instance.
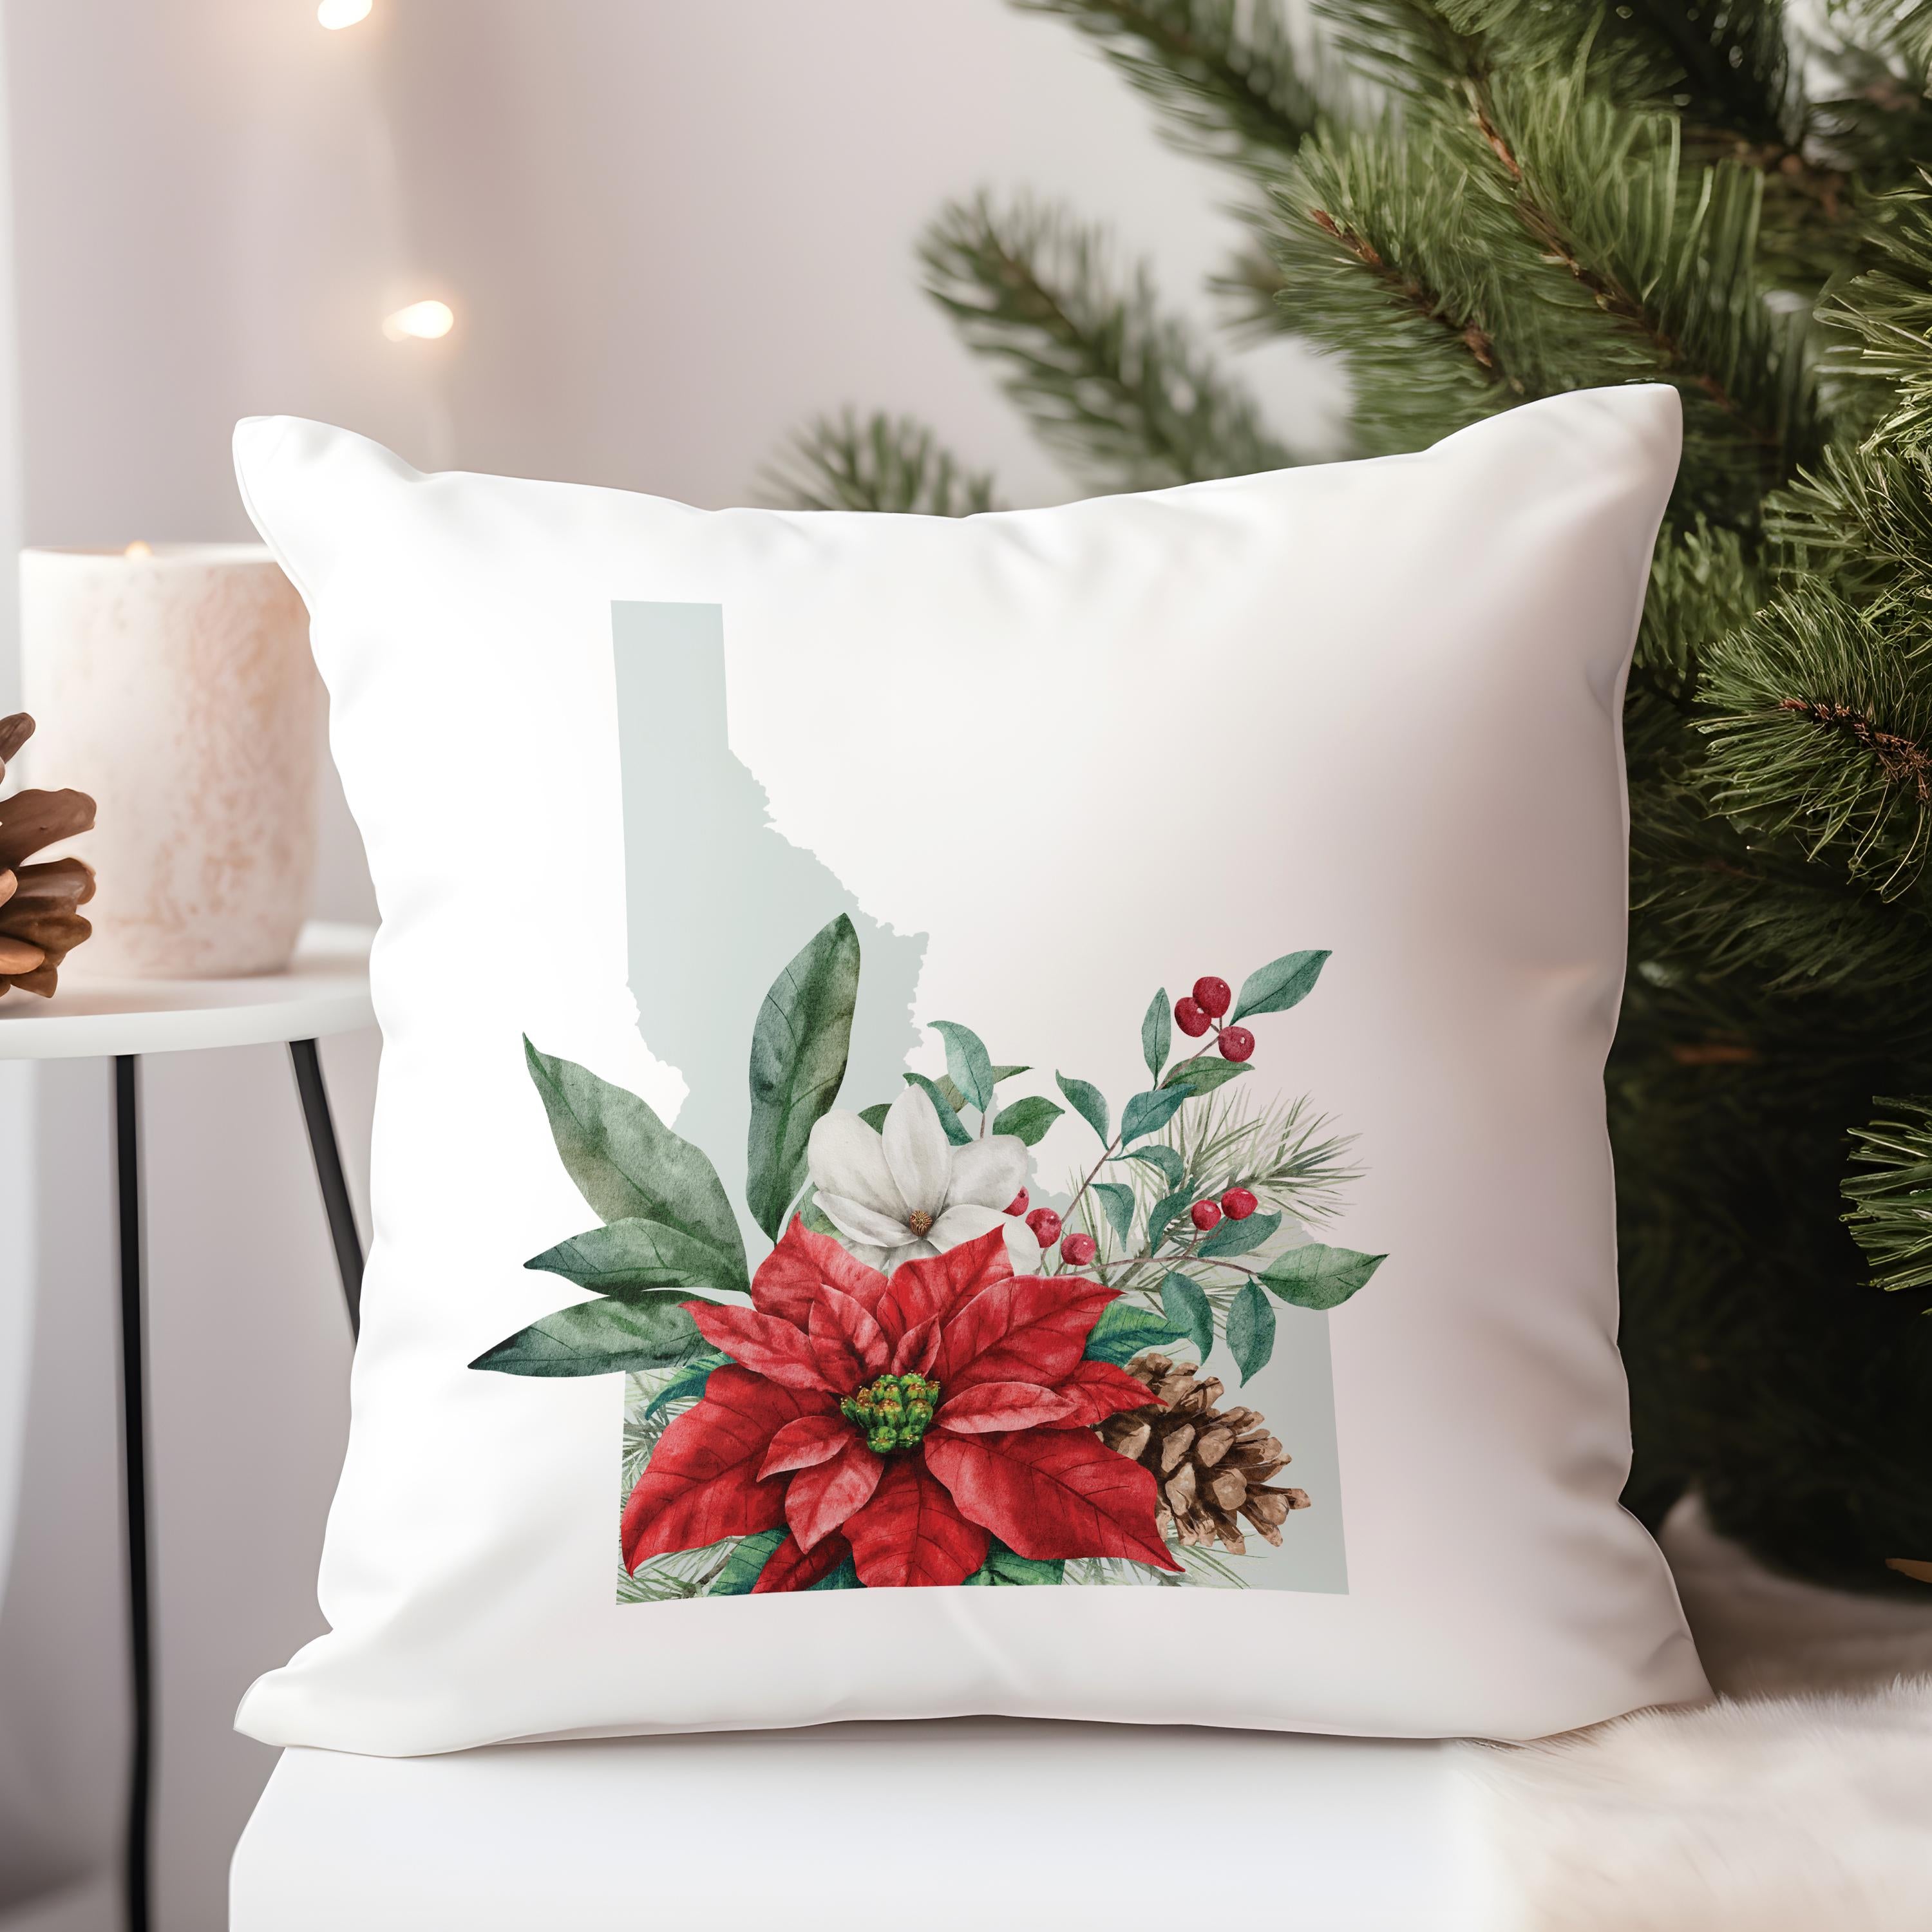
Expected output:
(325, 990)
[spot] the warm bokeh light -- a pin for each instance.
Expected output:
(336, 13)
(421, 322)
(138, 548)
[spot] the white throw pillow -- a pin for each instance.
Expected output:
(1027, 1089)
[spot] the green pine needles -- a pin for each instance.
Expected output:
(1477, 202)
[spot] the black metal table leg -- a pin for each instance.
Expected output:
(134, 1452)
(329, 1177)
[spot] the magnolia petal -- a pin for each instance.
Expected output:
(845, 1158)
(918, 1153)
(855, 1219)
(966, 1222)
(1022, 1247)
(988, 1173)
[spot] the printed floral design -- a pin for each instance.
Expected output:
(902, 1422)
(905, 1190)
(929, 1381)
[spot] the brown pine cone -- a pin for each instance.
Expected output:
(1212, 1465)
(39, 926)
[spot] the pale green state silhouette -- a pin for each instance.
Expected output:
(717, 902)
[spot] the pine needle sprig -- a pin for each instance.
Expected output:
(1826, 730)
(1890, 1189)
(1125, 391)
(1224, 75)
(879, 462)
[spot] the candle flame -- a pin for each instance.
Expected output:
(139, 548)
(421, 322)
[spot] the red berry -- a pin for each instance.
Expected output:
(1191, 1020)
(1018, 1205)
(1204, 1215)
(1237, 1203)
(1077, 1250)
(1236, 1043)
(1212, 996)
(1045, 1225)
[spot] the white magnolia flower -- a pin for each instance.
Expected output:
(908, 1191)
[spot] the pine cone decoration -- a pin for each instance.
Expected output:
(1212, 1465)
(39, 926)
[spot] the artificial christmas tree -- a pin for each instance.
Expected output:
(1482, 201)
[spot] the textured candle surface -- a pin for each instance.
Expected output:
(178, 689)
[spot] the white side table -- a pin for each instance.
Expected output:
(325, 990)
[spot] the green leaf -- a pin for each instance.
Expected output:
(689, 1382)
(944, 1087)
(742, 1567)
(1147, 1113)
(1164, 1212)
(1008, 1073)
(1116, 1203)
(622, 1257)
(602, 1338)
(845, 1576)
(630, 1166)
(1280, 984)
(1157, 1034)
(967, 1061)
(1005, 1566)
(1188, 1311)
(1251, 1330)
(1204, 1075)
(1088, 1102)
(1124, 1330)
(875, 1117)
(1164, 1160)
(1315, 1276)
(948, 1116)
(1238, 1237)
(1029, 1118)
(799, 1046)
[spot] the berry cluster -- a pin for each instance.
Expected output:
(1237, 1203)
(1203, 1008)
(893, 1412)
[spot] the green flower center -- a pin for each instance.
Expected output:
(893, 1412)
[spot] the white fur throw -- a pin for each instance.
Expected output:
(1800, 1801)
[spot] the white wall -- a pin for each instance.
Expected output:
(670, 230)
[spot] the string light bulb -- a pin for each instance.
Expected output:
(421, 322)
(337, 14)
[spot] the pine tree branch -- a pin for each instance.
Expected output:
(882, 462)
(1126, 392)
(1224, 73)
(1890, 1190)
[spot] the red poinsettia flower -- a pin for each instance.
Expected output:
(902, 1420)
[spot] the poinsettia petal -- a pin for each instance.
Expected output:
(791, 1567)
(1032, 1328)
(763, 1343)
(702, 1482)
(918, 1152)
(850, 1345)
(987, 1173)
(1049, 1492)
(844, 1156)
(988, 1406)
(911, 1534)
(854, 1218)
(791, 1274)
(818, 1500)
(810, 1439)
(934, 1288)
(1098, 1390)
(916, 1350)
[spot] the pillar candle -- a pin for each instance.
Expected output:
(174, 684)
